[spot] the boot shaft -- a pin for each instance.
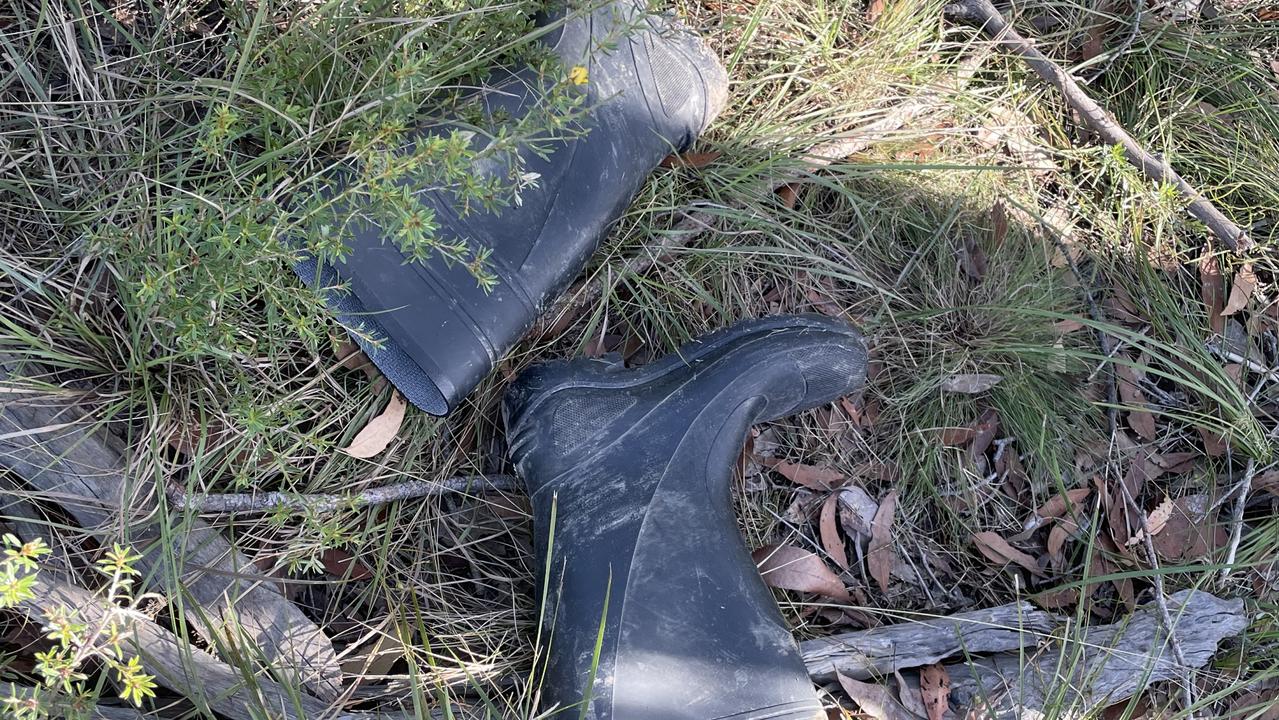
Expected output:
(629, 474)
(650, 87)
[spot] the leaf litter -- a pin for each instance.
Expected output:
(381, 430)
(998, 550)
(934, 686)
(875, 700)
(792, 568)
(882, 555)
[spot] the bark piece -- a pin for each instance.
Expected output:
(82, 467)
(1097, 666)
(879, 651)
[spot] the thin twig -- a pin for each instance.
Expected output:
(1161, 600)
(1108, 348)
(1139, 7)
(983, 15)
(1112, 416)
(1236, 518)
(322, 502)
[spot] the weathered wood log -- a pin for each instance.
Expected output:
(1100, 665)
(877, 652)
(205, 680)
(47, 442)
(22, 518)
(1087, 669)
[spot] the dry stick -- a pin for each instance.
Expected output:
(1161, 601)
(1236, 518)
(1112, 414)
(983, 15)
(696, 222)
(86, 470)
(263, 502)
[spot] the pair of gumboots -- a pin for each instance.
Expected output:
(628, 469)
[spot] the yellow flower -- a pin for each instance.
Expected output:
(579, 75)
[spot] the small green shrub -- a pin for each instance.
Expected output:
(64, 690)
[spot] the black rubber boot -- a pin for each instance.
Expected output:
(629, 474)
(653, 88)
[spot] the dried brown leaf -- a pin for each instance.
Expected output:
(984, 432)
(1212, 290)
(1141, 420)
(997, 550)
(1155, 520)
(1241, 290)
(1058, 504)
(351, 357)
(380, 431)
(875, 10)
(1057, 538)
(823, 303)
(828, 525)
(998, 223)
(909, 696)
(379, 657)
(342, 564)
(1092, 41)
(957, 436)
(934, 685)
(972, 258)
(1214, 443)
(1008, 466)
(875, 700)
(788, 194)
(971, 383)
(810, 476)
(1190, 532)
(859, 411)
(1065, 327)
(1158, 517)
(1140, 471)
(792, 568)
(1177, 463)
(1256, 705)
(1266, 482)
(1056, 599)
(882, 554)
(870, 413)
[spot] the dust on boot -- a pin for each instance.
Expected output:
(634, 466)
